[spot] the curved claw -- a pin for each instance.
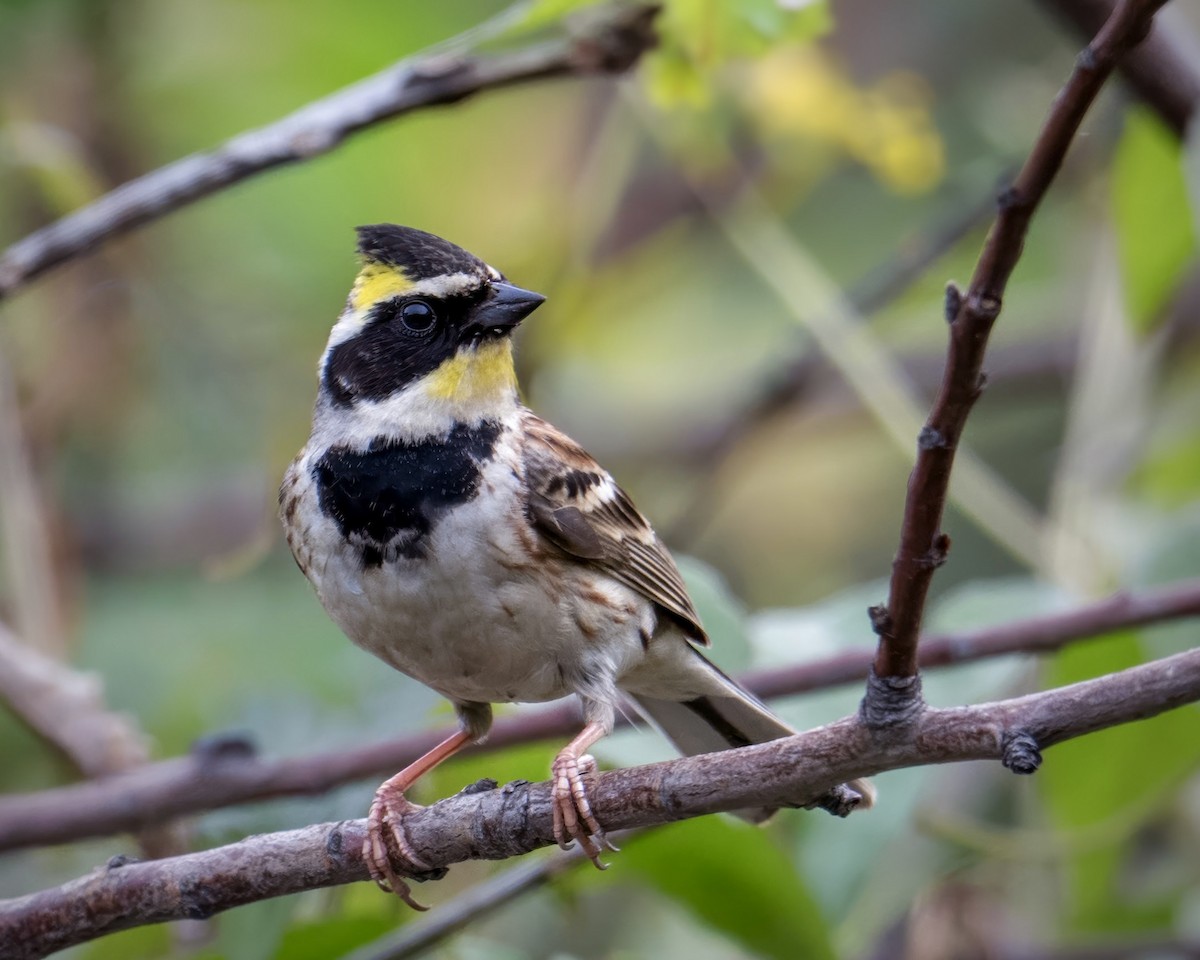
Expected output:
(384, 823)
(573, 819)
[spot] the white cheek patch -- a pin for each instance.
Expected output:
(348, 326)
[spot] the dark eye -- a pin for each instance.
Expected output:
(418, 317)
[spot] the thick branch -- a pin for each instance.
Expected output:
(608, 43)
(225, 772)
(923, 546)
(495, 824)
(66, 708)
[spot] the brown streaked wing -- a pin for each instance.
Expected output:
(567, 508)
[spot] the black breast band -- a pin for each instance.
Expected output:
(387, 500)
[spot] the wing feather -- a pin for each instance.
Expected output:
(576, 505)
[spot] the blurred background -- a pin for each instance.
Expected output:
(744, 246)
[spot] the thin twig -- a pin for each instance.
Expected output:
(225, 772)
(494, 824)
(610, 42)
(923, 546)
(1161, 70)
(27, 565)
(1043, 634)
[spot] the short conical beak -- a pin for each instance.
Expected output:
(505, 307)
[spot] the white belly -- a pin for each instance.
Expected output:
(476, 618)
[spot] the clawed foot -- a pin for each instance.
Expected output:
(573, 817)
(386, 842)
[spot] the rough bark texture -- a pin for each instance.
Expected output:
(494, 824)
(224, 771)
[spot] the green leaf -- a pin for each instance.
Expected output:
(723, 615)
(732, 876)
(140, 943)
(1156, 236)
(712, 33)
(1102, 787)
(1191, 172)
(524, 762)
(985, 603)
(333, 937)
(254, 931)
(846, 855)
(467, 947)
(1171, 476)
(699, 36)
(796, 20)
(538, 13)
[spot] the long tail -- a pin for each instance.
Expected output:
(734, 718)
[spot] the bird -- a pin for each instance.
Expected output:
(466, 542)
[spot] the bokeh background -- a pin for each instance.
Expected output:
(776, 197)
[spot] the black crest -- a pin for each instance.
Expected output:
(417, 253)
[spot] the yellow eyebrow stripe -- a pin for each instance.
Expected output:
(377, 281)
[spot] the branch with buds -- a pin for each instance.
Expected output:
(225, 771)
(611, 41)
(485, 822)
(895, 729)
(971, 315)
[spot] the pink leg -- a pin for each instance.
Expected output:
(385, 821)
(573, 818)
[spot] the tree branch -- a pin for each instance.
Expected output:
(483, 823)
(222, 772)
(66, 708)
(923, 546)
(1043, 634)
(609, 42)
(61, 705)
(1161, 71)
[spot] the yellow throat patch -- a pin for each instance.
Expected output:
(474, 380)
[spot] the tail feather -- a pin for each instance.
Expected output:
(731, 718)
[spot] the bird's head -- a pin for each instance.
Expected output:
(425, 321)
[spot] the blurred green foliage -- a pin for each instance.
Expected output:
(1155, 227)
(1107, 793)
(166, 381)
(737, 880)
